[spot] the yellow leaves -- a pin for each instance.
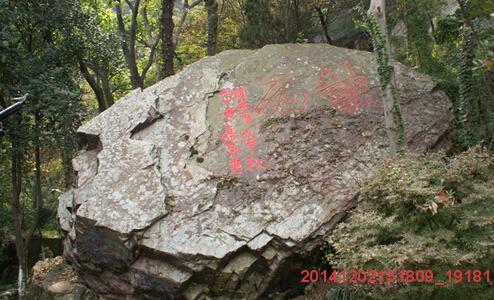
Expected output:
(469, 258)
(433, 207)
(443, 198)
(425, 213)
(489, 65)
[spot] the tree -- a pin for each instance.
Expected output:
(283, 21)
(324, 24)
(212, 8)
(182, 31)
(167, 46)
(392, 112)
(260, 27)
(99, 60)
(41, 56)
(128, 38)
(170, 38)
(185, 12)
(417, 19)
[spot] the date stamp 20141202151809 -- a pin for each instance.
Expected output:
(394, 276)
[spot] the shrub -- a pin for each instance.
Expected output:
(424, 212)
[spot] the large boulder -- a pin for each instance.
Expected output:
(220, 181)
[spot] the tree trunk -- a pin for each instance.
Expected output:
(68, 171)
(22, 244)
(16, 180)
(158, 69)
(128, 41)
(38, 195)
(296, 12)
(382, 48)
(166, 28)
(100, 85)
(287, 20)
(136, 80)
(324, 25)
(152, 39)
(212, 8)
(105, 85)
(98, 91)
(466, 8)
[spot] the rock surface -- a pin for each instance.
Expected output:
(53, 279)
(219, 181)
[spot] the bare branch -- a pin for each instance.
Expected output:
(151, 57)
(147, 25)
(324, 24)
(120, 22)
(122, 31)
(130, 4)
(195, 3)
(180, 25)
(98, 91)
(144, 42)
(136, 79)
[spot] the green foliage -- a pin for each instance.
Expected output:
(39, 55)
(345, 294)
(417, 17)
(473, 107)
(447, 28)
(456, 55)
(403, 222)
(274, 21)
(481, 8)
(45, 253)
(384, 69)
(253, 33)
(192, 46)
(422, 212)
(467, 107)
(379, 45)
(97, 35)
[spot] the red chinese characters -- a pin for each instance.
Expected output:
(254, 164)
(235, 164)
(228, 138)
(242, 106)
(237, 112)
(344, 89)
(280, 95)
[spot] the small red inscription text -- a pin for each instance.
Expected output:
(236, 114)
